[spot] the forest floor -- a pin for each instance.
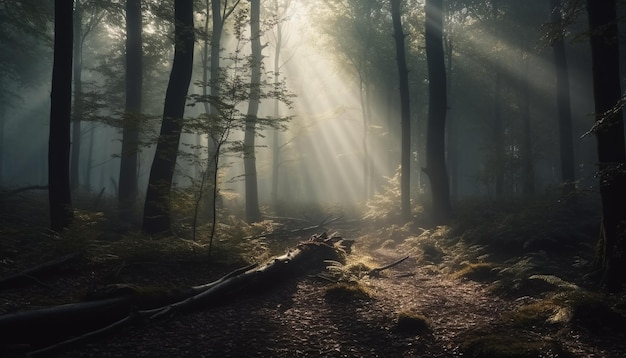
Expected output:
(498, 282)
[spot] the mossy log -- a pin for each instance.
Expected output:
(43, 327)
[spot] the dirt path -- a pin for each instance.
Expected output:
(297, 320)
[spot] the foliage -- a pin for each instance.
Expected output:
(224, 115)
(527, 226)
(430, 245)
(346, 273)
(385, 206)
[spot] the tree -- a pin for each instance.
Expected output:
(609, 132)
(566, 144)
(278, 44)
(60, 114)
(78, 96)
(157, 209)
(92, 11)
(249, 160)
(437, 107)
(219, 15)
(403, 76)
(130, 122)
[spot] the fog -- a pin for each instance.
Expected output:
(341, 145)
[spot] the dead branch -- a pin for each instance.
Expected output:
(376, 271)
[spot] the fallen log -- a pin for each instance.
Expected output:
(73, 323)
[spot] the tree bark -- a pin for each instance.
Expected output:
(60, 118)
(134, 79)
(609, 132)
(528, 169)
(249, 148)
(437, 107)
(498, 138)
(566, 142)
(275, 131)
(157, 210)
(2, 125)
(453, 127)
(405, 114)
(78, 97)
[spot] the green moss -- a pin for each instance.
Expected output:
(346, 292)
(412, 323)
(481, 272)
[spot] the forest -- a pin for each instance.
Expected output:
(319, 178)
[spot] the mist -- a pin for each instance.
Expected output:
(470, 148)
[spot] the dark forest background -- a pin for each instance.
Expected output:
(181, 114)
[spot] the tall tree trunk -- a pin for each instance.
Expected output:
(366, 130)
(405, 115)
(249, 149)
(568, 170)
(215, 92)
(276, 132)
(498, 138)
(453, 136)
(78, 97)
(89, 159)
(609, 131)
(134, 80)
(157, 210)
(528, 169)
(60, 118)
(437, 107)
(2, 125)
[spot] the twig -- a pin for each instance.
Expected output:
(376, 271)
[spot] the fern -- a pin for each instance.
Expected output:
(556, 281)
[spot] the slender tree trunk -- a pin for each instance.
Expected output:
(60, 118)
(437, 108)
(89, 159)
(453, 137)
(214, 92)
(276, 132)
(249, 158)
(78, 97)
(2, 124)
(157, 210)
(528, 170)
(366, 129)
(566, 144)
(405, 115)
(498, 138)
(134, 79)
(609, 131)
